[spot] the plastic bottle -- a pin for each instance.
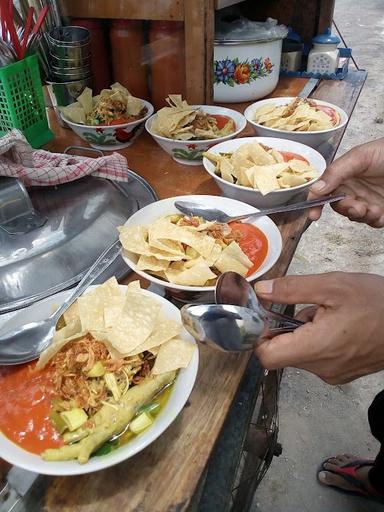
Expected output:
(127, 45)
(166, 41)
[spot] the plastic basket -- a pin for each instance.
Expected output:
(22, 102)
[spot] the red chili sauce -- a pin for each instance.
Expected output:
(25, 404)
(331, 112)
(221, 120)
(288, 155)
(253, 243)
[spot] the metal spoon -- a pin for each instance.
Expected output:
(232, 288)
(25, 343)
(208, 213)
(225, 327)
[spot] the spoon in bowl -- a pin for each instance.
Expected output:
(213, 214)
(25, 343)
(232, 288)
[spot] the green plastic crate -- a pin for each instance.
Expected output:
(22, 102)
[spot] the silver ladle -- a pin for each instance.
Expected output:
(212, 214)
(25, 343)
(226, 327)
(232, 288)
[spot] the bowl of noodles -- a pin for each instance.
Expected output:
(111, 120)
(186, 131)
(311, 122)
(264, 171)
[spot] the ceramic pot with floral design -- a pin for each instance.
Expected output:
(111, 137)
(245, 70)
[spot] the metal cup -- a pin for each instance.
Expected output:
(69, 42)
(64, 64)
(69, 36)
(70, 52)
(65, 93)
(62, 94)
(17, 214)
(70, 74)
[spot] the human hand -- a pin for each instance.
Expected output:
(343, 338)
(360, 175)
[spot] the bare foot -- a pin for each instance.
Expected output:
(334, 464)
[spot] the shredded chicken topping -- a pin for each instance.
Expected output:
(203, 121)
(70, 373)
(222, 232)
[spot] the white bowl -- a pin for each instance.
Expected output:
(196, 294)
(255, 197)
(110, 138)
(181, 390)
(313, 139)
(189, 152)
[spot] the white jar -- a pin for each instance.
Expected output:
(324, 56)
(292, 55)
(290, 61)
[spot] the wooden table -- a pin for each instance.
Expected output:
(168, 474)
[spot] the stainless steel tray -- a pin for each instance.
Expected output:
(81, 221)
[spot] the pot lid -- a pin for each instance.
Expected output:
(326, 38)
(81, 220)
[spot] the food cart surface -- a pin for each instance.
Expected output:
(168, 475)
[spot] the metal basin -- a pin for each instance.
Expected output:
(82, 217)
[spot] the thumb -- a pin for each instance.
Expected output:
(351, 164)
(321, 289)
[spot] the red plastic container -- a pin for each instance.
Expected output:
(100, 67)
(166, 41)
(127, 39)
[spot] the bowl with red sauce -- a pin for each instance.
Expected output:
(338, 118)
(118, 134)
(190, 152)
(259, 240)
(289, 151)
(26, 429)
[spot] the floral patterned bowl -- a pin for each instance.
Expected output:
(190, 152)
(110, 138)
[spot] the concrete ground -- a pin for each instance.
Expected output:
(318, 420)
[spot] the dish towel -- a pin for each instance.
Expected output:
(42, 168)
